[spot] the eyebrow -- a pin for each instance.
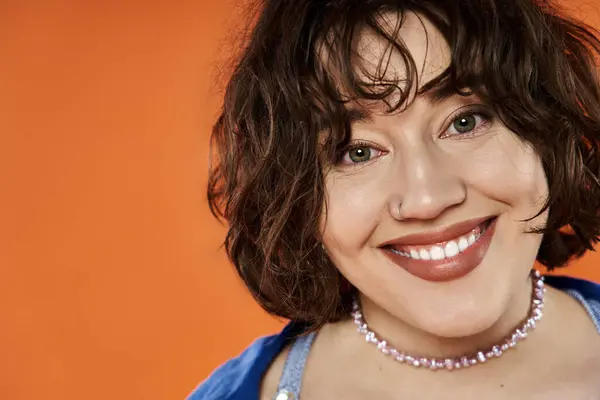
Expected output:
(434, 95)
(356, 115)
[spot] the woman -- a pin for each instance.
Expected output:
(391, 171)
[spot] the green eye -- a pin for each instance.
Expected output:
(468, 124)
(465, 123)
(359, 154)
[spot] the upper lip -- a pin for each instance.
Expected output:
(437, 235)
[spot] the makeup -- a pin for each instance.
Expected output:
(443, 255)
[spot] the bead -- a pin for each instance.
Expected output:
(540, 284)
(516, 336)
(473, 361)
(504, 347)
(496, 350)
(449, 363)
(481, 357)
(416, 363)
(489, 354)
(424, 362)
(400, 357)
(457, 365)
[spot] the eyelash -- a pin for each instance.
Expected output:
(356, 145)
(486, 117)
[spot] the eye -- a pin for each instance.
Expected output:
(360, 153)
(467, 124)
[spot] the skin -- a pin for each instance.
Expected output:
(423, 174)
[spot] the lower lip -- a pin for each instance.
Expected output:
(447, 269)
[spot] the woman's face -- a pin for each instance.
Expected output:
(421, 172)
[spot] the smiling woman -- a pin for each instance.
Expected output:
(391, 171)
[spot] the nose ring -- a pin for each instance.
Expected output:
(398, 215)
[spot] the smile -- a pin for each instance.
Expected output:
(446, 254)
(440, 251)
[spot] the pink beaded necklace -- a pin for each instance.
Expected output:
(520, 333)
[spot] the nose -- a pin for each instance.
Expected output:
(430, 186)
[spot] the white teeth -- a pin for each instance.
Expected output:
(471, 239)
(451, 249)
(437, 253)
(463, 244)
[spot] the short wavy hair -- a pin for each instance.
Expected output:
(526, 59)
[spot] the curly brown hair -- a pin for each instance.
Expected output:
(531, 64)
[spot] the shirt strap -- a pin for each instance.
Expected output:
(592, 306)
(293, 369)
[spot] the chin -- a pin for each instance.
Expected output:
(462, 323)
(458, 309)
(472, 304)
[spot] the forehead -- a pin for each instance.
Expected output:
(415, 40)
(389, 58)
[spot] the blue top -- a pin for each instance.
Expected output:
(240, 377)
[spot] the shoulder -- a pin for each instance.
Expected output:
(586, 292)
(240, 377)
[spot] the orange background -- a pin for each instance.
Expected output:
(112, 283)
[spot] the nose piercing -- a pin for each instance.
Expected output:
(398, 215)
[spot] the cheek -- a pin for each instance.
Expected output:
(510, 172)
(352, 211)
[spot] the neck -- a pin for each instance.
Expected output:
(414, 341)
